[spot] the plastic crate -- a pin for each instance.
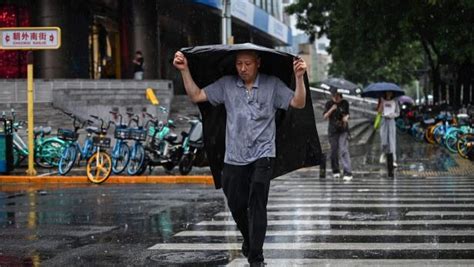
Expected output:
(138, 134)
(103, 142)
(67, 135)
(122, 133)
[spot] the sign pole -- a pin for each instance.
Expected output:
(31, 153)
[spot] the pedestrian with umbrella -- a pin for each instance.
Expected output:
(253, 142)
(389, 108)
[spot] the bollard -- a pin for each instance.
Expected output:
(390, 164)
(322, 166)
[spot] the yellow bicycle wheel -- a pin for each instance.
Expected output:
(99, 167)
(429, 134)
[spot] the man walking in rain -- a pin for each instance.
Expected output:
(251, 100)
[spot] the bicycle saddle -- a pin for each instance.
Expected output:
(171, 138)
(92, 129)
(429, 121)
(42, 130)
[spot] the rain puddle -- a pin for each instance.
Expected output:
(207, 258)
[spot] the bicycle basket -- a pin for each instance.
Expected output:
(67, 135)
(138, 134)
(103, 142)
(122, 133)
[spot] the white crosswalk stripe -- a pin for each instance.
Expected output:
(366, 222)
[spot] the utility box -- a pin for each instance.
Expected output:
(6, 145)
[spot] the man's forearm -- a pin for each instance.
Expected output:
(328, 113)
(192, 90)
(299, 100)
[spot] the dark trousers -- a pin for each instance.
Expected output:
(246, 189)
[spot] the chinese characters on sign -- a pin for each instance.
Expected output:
(30, 38)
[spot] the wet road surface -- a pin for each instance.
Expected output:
(425, 216)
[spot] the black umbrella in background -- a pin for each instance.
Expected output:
(377, 90)
(340, 85)
(297, 141)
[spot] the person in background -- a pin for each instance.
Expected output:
(390, 110)
(138, 66)
(337, 111)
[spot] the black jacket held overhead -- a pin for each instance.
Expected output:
(297, 140)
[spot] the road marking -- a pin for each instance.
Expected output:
(368, 198)
(368, 205)
(364, 232)
(318, 246)
(387, 190)
(357, 262)
(440, 213)
(294, 213)
(293, 187)
(349, 222)
(364, 193)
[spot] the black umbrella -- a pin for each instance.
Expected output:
(377, 90)
(340, 85)
(297, 139)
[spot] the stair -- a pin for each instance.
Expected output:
(45, 115)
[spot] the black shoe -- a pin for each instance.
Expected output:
(245, 249)
(257, 264)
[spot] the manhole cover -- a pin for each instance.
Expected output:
(214, 258)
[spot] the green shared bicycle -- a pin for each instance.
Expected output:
(47, 150)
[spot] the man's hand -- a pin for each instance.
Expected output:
(180, 62)
(299, 67)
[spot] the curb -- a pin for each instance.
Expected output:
(164, 179)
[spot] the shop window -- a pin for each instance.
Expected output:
(13, 62)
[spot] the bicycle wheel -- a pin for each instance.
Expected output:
(438, 134)
(429, 134)
(99, 167)
(451, 141)
(49, 154)
(463, 148)
(136, 160)
(67, 159)
(120, 158)
(186, 164)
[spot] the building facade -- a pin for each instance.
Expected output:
(100, 37)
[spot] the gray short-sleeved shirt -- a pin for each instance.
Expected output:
(250, 130)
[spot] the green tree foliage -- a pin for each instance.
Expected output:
(373, 40)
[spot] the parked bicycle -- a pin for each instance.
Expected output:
(137, 153)
(47, 150)
(164, 148)
(99, 165)
(120, 150)
(74, 151)
(192, 144)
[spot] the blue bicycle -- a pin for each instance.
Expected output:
(73, 147)
(137, 154)
(121, 150)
